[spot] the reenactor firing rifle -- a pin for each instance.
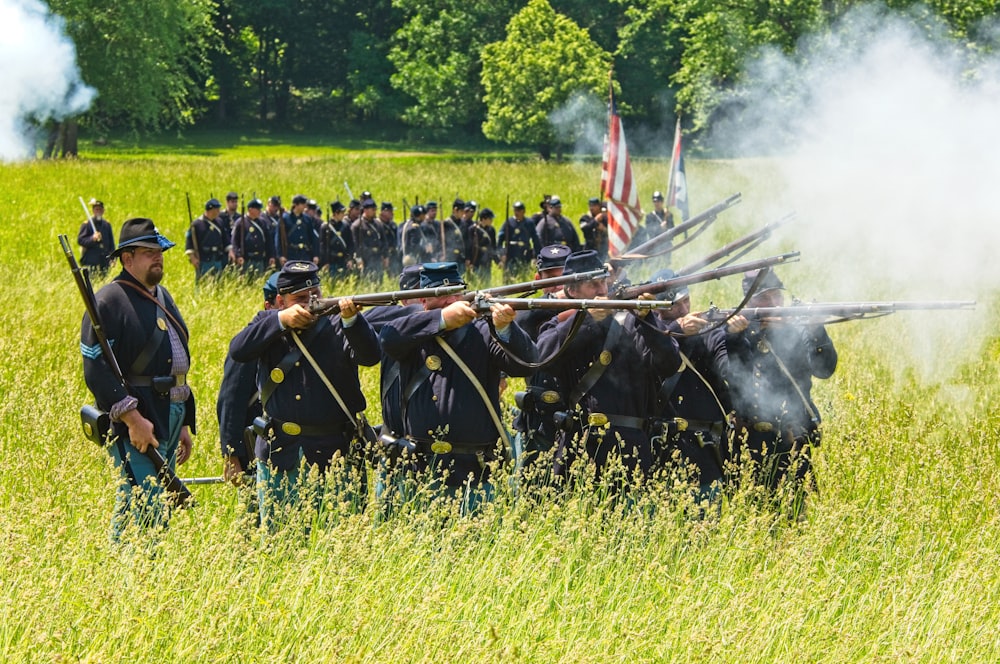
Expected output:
(833, 312)
(705, 219)
(655, 287)
(97, 424)
(483, 301)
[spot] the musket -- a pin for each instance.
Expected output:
(483, 302)
(164, 471)
(822, 312)
(706, 217)
(746, 243)
(528, 287)
(87, 214)
(191, 228)
(328, 306)
(654, 287)
(191, 481)
(348, 188)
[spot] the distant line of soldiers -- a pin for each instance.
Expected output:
(365, 238)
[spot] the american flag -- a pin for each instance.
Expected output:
(618, 185)
(677, 189)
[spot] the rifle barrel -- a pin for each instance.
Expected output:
(706, 216)
(528, 304)
(654, 287)
(331, 305)
(752, 239)
(841, 309)
(537, 284)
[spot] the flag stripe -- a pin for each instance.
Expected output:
(618, 185)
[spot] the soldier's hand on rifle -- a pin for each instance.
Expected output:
(503, 315)
(737, 324)
(184, 446)
(239, 261)
(642, 313)
(457, 314)
(347, 307)
(232, 470)
(296, 317)
(691, 324)
(140, 431)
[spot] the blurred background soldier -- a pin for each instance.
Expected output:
(230, 215)
(390, 238)
(450, 409)
(656, 222)
(432, 210)
(208, 241)
(517, 242)
(353, 211)
(150, 342)
(297, 238)
(416, 248)
(609, 369)
(594, 225)
(698, 394)
(772, 363)
(272, 215)
(368, 242)
(482, 248)
(253, 245)
(307, 372)
(97, 239)
(335, 252)
(554, 228)
(447, 243)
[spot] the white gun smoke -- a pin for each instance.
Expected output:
(39, 78)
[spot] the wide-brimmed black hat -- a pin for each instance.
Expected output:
(140, 232)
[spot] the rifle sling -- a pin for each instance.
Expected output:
(160, 302)
(287, 362)
(578, 318)
(598, 368)
(497, 422)
(352, 417)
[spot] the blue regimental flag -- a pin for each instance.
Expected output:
(677, 189)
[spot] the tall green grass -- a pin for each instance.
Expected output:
(897, 559)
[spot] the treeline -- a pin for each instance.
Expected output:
(495, 68)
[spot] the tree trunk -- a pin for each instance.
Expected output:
(70, 147)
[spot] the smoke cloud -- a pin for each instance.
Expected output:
(887, 136)
(39, 78)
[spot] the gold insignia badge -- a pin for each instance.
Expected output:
(162, 324)
(433, 362)
(605, 357)
(440, 447)
(277, 375)
(550, 397)
(291, 428)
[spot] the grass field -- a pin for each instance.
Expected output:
(897, 559)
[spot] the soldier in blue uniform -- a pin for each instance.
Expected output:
(368, 242)
(97, 239)
(609, 370)
(208, 241)
(482, 248)
(253, 245)
(518, 242)
(390, 238)
(445, 236)
(312, 415)
(239, 403)
(150, 342)
(450, 414)
(772, 364)
(554, 228)
(594, 225)
(694, 402)
(415, 247)
(296, 238)
(542, 398)
(334, 253)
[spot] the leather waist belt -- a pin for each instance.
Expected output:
(314, 430)
(302, 246)
(167, 381)
(444, 447)
(622, 421)
(685, 424)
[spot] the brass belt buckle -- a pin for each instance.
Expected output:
(597, 420)
(291, 428)
(763, 427)
(440, 447)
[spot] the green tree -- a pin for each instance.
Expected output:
(436, 55)
(545, 60)
(718, 38)
(147, 60)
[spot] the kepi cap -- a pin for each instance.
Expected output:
(583, 261)
(271, 287)
(552, 256)
(769, 282)
(672, 294)
(297, 276)
(410, 277)
(440, 274)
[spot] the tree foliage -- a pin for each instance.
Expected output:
(545, 59)
(147, 60)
